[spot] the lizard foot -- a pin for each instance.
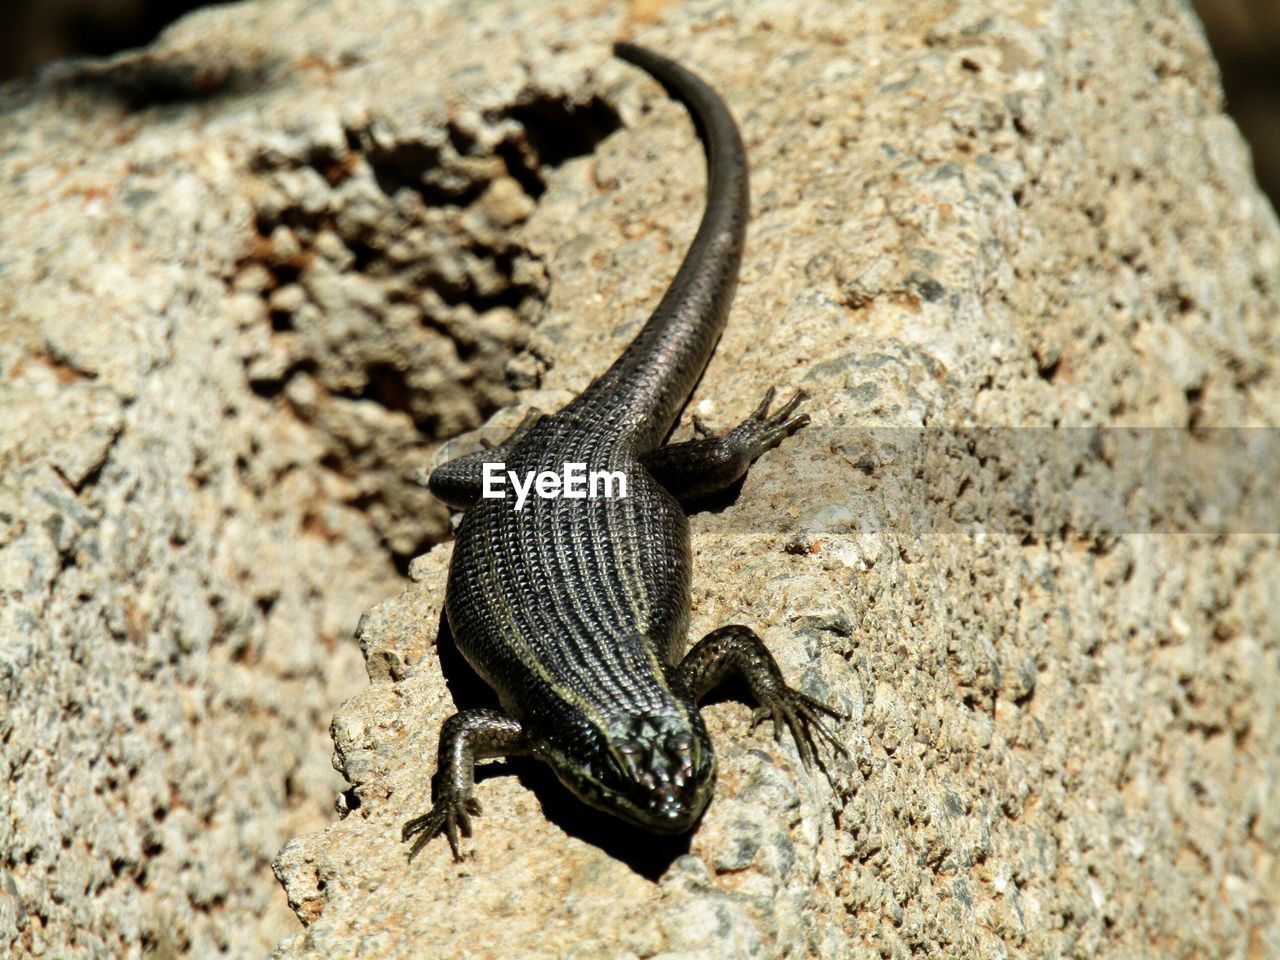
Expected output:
(448, 815)
(770, 429)
(802, 715)
(761, 431)
(696, 468)
(737, 649)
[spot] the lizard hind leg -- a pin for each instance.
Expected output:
(737, 649)
(697, 468)
(460, 481)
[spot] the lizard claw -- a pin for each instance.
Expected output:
(701, 429)
(448, 815)
(760, 431)
(781, 423)
(764, 429)
(762, 411)
(803, 716)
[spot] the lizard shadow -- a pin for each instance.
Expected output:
(649, 855)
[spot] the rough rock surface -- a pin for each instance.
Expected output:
(250, 276)
(235, 308)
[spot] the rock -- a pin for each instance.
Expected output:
(256, 274)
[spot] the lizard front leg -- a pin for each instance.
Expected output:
(697, 468)
(465, 738)
(737, 649)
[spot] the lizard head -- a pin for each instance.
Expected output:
(655, 770)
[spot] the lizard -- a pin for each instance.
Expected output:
(575, 611)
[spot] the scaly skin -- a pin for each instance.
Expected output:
(575, 610)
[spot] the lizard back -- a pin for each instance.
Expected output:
(579, 602)
(585, 602)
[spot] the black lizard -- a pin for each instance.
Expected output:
(575, 610)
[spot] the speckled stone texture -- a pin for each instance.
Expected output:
(251, 279)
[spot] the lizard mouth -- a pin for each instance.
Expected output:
(665, 805)
(673, 816)
(663, 813)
